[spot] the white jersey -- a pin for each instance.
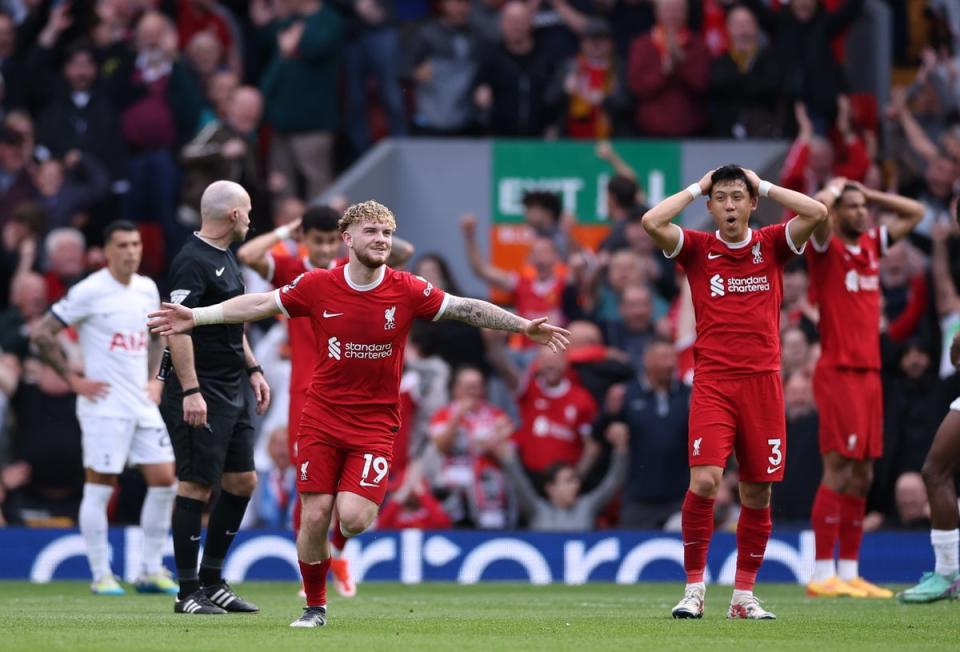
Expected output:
(111, 320)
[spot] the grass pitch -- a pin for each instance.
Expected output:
(65, 616)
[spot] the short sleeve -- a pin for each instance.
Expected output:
(778, 237)
(75, 306)
(690, 243)
(297, 297)
(882, 239)
(676, 250)
(188, 282)
(425, 300)
(285, 269)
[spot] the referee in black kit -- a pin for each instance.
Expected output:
(205, 408)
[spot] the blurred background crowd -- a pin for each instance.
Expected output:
(129, 108)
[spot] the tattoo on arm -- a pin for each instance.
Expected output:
(45, 339)
(483, 315)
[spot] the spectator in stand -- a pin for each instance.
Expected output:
(28, 301)
(623, 197)
(18, 245)
(801, 35)
(589, 86)
(946, 296)
(465, 433)
(372, 46)
(802, 478)
(69, 187)
(514, 78)
(745, 99)
(204, 59)
(532, 296)
(277, 487)
(558, 24)
(11, 66)
(218, 93)
(208, 17)
(412, 506)
(797, 309)
(813, 159)
(566, 509)
(16, 186)
(300, 89)
(79, 114)
(669, 73)
(903, 282)
(66, 261)
(543, 214)
(634, 330)
(226, 150)
(913, 507)
(611, 278)
(653, 407)
(795, 352)
(598, 367)
(423, 390)
(444, 60)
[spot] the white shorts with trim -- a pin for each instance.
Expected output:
(111, 443)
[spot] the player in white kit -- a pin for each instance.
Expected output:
(117, 397)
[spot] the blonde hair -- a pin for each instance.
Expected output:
(367, 211)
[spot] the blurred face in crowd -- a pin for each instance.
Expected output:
(288, 210)
(551, 367)
(67, 257)
(29, 294)
(124, 251)
(950, 141)
(8, 36)
(516, 23)
(597, 48)
(911, 498)
(456, 12)
(623, 270)
(795, 350)
(152, 30)
(539, 218)
(468, 388)
(660, 363)
(543, 257)
(220, 90)
(803, 10)
(941, 175)
(277, 449)
(853, 218)
(672, 14)
(895, 266)
(205, 53)
(562, 491)
(821, 157)
(731, 204)
(915, 362)
(638, 238)
(49, 178)
(430, 269)
(798, 396)
(80, 71)
(636, 307)
(584, 333)
(742, 29)
(795, 284)
(322, 246)
(245, 110)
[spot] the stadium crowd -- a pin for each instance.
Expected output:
(129, 108)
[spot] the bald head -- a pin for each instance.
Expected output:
(584, 333)
(225, 211)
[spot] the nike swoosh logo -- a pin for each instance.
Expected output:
(713, 256)
(773, 469)
(756, 556)
(364, 483)
(220, 271)
(194, 538)
(327, 315)
(230, 534)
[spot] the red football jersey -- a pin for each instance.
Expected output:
(554, 423)
(361, 331)
(533, 298)
(737, 290)
(845, 281)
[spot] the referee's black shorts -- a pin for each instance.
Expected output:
(224, 445)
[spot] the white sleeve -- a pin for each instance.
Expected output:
(676, 250)
(790, 243)
(75, 306)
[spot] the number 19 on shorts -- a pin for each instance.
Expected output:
(378, 465)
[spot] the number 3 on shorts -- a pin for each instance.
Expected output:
(378, 465)
(775, 455)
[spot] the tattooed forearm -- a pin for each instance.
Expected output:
(483, 315)
(44, 338)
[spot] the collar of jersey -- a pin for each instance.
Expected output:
(205, 241)
(737, 245)
(557, 390)
(369, 286)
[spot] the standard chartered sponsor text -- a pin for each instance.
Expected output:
(368, 351)
(749, 284)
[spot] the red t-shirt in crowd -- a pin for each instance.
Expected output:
(554, 421)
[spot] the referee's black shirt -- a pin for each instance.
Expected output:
(203, 275)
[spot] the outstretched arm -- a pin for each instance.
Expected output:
(483, 314)
(253, 254)
(173, 318)
(498, 278)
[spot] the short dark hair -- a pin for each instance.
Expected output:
(118, 225)
(549, 201)
(80, 46)
(320, 218)
(731, 173)
(549, 475)
(623, 190)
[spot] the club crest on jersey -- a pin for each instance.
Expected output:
(390, 316)
(757, 255)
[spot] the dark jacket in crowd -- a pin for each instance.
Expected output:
(519, 83)
(745, 103)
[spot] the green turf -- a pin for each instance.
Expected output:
(64, 616)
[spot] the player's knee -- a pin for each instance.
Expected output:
(314, 520)
(355, 523)
(705, 485)
(934, 474)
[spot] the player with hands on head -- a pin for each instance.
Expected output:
(361, 314)
(736, 281)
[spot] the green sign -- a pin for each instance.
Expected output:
(572, 170)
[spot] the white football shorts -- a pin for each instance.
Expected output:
(111, 443)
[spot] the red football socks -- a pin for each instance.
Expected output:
(753, 531)
(696, 524)
(315, 582)
(825, 518)
(337, 540)
(852, 511)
